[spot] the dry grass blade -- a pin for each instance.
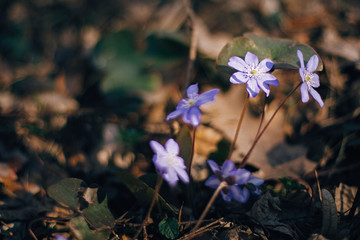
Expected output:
(210, 226)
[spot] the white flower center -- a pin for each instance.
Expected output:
(253, 71)
(308, 78)
(191, 101)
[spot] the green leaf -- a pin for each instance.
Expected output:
(169, 228)
(98, 215)
(281, 51)
(66, 191)
(81, 230)
(143, 193)
(124, 66)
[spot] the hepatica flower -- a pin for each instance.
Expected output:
(309, 78)
(253, 73)
(188, 108)
(236, 180)
(168, 163)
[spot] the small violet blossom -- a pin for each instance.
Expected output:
(60, 237)
(253, 184)
(309, 78)
(253, 73)
(236, 180)
(188, 108)
(168, 163)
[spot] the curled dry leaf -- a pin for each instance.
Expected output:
(329, 222)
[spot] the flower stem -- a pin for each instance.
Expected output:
(238, 127)
(192, 151)
(210, 203)
(156, 192)
(266, 126)
(261, 119)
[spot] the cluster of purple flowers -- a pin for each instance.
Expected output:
(239, 183)
(256, 75)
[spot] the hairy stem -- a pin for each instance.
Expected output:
(156, 192)
(210, 203)
(266, 126)
(238, 127)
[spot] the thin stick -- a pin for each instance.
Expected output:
(190, 186)
(262, 118)
(210, 203)
(318, 184)
(266, 126)
(238, 127)
(355, 204)
(193, 43)
(156, 192)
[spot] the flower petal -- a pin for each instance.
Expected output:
(302, 74)
(304, 92)
(270, 79)
(192, 90)
(240, 195)
(241, 176)
(265, 88)
(226, 197)
(192, 116)
(301, 59)
(157, 148)
(172, 147)
(175, 114)
(239, 78)
(170, 177)
(212, 182)
(213, 165)
(252, 88)
(312, 64)
(182, 175)
(251, 59)
(316, 96)
(315, 82)
(256, 181)
(265, 65)
(238, 63)
(206, 97)
(227, 167)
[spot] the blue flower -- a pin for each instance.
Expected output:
(235, 181)
(309, 78)
(168, 163)
(253, 73)
(60, 237)
(188, 108)
(253, 184)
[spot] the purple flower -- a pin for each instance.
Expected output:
(168, 163)
(309, 78)
(188, 108)
(235, 179)
(253, 184)
(253, 73)
(60, 237)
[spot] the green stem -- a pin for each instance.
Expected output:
(266, 126)
(156, 192)
(238, 127)
(210, 203)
